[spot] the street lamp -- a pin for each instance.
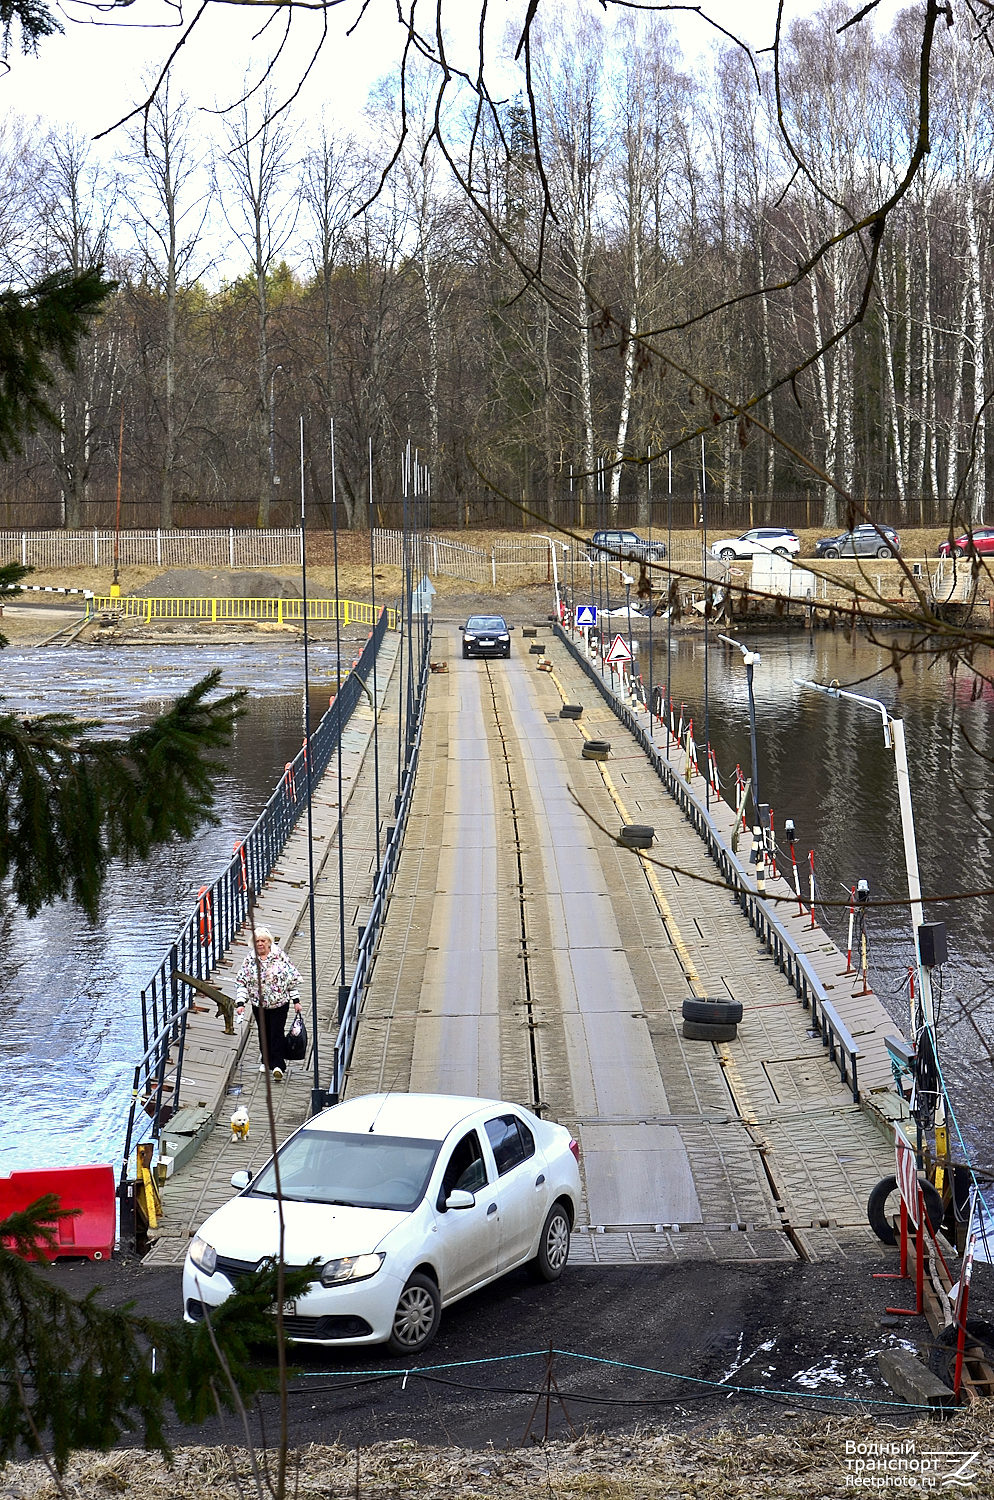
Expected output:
(628, 580)
(555, 573)
(758, 855)
(923, 1012)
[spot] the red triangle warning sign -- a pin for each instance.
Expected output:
(619, 650)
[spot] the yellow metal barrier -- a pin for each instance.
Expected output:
(241, 611)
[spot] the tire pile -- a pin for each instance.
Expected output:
(711, 1019)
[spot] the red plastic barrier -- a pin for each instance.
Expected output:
(91, 1232)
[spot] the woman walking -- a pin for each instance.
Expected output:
(270, 981)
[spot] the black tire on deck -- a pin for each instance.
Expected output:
(713, 1012)
(637, 835)
(879, 1212)
(710, 1031)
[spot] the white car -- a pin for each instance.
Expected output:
(759, 539)
(408, 1202)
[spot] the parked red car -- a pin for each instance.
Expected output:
(979, 542)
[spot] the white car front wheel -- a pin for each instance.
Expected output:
(417, 1317)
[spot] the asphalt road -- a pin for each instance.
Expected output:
(679, 1347)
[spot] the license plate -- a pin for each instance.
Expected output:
(289, 1309)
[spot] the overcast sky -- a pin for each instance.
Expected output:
(91, 75)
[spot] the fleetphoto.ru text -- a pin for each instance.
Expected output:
(902, 1466)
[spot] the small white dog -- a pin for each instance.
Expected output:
(240, 1124)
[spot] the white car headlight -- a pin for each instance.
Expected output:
(351, 1268)
(204, 1256)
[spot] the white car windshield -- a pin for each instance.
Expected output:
(485, 623)
(356, 1171)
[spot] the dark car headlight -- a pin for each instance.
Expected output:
(204, 1256)
(351, 1268)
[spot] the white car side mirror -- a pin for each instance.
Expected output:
(241, 1178)
(459, 1198)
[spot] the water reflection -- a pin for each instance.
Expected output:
(823, 763)
(70, 1017)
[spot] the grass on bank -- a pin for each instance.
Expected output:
(803, 1459)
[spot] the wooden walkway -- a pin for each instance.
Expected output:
(528, 955)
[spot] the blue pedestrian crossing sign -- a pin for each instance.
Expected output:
(586, 614)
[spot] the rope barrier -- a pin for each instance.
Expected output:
(708, 1387)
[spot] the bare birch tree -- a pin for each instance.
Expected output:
(261, 209)
(171, 207)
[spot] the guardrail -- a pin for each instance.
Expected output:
(842, 1047)
(225, 611)
(350, 998)
(223, 907)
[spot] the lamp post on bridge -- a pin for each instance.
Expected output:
(758, 854)
(923, 1009)
(555, 572)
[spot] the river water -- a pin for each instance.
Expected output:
(823, 763)
(70, 1029)
(70, 1009)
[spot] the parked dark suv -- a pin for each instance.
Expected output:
(626, 544)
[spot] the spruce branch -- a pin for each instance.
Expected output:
(70, 802)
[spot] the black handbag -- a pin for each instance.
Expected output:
(295, 1041)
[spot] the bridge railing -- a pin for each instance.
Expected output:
(825, 1019)
(351, 997)
(222, 908)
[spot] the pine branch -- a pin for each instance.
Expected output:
(77, 1375)
(70, 802)
(38, 327)
(34, 20)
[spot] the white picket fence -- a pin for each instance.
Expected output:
(526, 559)
(163, 549)
(530, 558)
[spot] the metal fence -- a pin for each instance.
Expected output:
(825, 1019)
(229, 548)
(223, 907)
(222, 611)
(529, 558)
(351, 1002)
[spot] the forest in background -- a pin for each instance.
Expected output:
(394, 311)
